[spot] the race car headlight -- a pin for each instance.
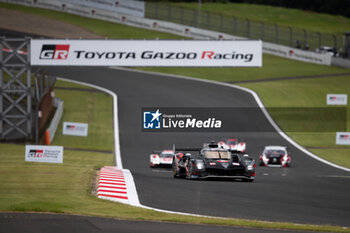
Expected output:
(200, 164)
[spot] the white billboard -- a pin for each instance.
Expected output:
(75, 129)
(129, 7)
(297, 54)
(337, 99)
(343, 138)
(171, 53)
(45, 154)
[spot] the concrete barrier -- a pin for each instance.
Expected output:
(51, 130)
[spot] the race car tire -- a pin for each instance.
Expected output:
(248, 180)
(189, 171)
(175, 168)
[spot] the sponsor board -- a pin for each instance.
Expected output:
(129, 7)
(44, 154)
(75, 129)
(337, 99)
(343, 138)
(297, 54)
(146, 53)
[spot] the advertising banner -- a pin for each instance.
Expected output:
(44, 154)
(343, 138)
(171, 53)
(337, 99)
(129, 7)
(75, 129)
(297, 54)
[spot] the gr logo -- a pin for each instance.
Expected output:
(36, 153)
(54, 52)
(151, 120)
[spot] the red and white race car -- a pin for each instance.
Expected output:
(275, 156)
(232, 144)
(162, 158)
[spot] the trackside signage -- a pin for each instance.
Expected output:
(44, 154)
(146, 53)
(75, 129)
(129, 7)
(343, 138)
(337, 99)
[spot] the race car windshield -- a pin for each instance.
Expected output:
(231, 142)
(216, 154)
(166, 155)
(274, 152)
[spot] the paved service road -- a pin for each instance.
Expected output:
(308, 192)
(54, 223)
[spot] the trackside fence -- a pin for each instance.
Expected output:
(273, 33)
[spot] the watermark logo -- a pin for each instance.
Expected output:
(152, 120)
(54, 52)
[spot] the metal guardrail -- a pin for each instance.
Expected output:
(274, 33)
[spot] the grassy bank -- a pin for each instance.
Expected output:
(273, 67)
(301, 19)
(93, 108)
(309, 94)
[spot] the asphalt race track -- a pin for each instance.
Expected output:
(308, 192)
(57, 223)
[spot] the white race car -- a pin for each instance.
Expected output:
(163, 158)
(275, 156)
(232, 144)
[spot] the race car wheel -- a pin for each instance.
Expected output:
(248, 180)
(175, 169)
(189, 171)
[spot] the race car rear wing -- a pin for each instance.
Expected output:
(205, 145)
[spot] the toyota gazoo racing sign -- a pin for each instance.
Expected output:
(45, 154)
(146, 53)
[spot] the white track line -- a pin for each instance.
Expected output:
(127, 173)
(259, 102)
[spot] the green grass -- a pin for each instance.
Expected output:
(46, 187)
(337, 156)
(300, 93)
(301, 19)
(273, 67)
(93, 108)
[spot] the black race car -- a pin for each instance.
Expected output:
(212, 161)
